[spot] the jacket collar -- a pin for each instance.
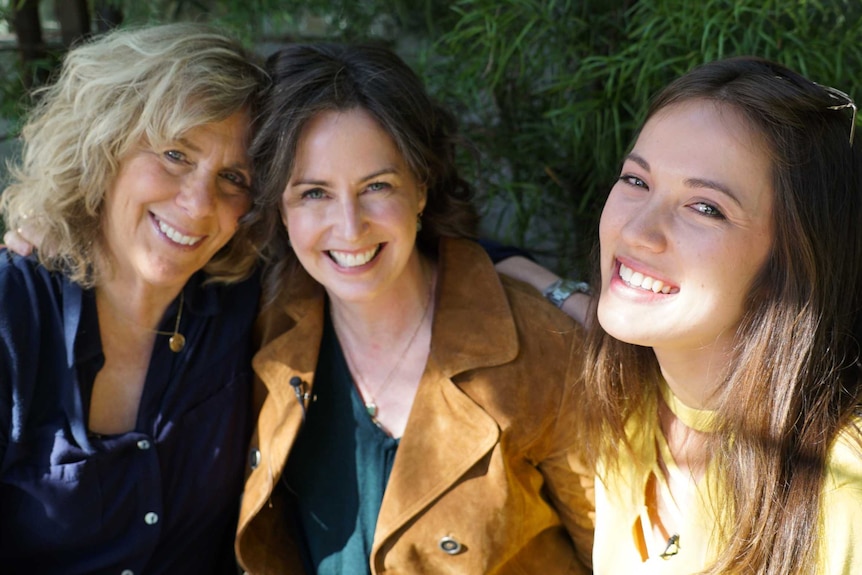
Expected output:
(473, 324)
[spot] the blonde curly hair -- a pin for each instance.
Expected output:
(152, 83)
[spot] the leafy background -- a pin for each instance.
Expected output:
(550, 92)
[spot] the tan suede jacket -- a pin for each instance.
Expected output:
(487, 478)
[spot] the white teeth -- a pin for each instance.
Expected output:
(176, 236)
(638, 280)
(352, 260)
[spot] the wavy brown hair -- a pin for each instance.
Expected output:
(308, 79)
(794, 381)
(150, 83)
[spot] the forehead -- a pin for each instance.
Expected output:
(704, 139)
(233, 130)
(702, 124)
(334, 136)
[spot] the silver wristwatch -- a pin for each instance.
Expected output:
(559, 291)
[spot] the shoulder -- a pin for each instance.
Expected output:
(844, 464)
(24, 282)
(842, 504)
(33, 304)
(544, 331)
(511, 313)
(530, 307)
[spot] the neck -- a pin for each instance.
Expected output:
(139, 305)
(383, 321)
(694, 376)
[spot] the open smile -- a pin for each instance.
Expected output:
(175, 235)
(640, 281)
(354, 259)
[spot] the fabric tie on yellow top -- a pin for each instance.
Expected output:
(625, 503)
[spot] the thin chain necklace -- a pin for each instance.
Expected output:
(178, 340)
(369, 401)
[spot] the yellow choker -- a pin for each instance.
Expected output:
(697, 419)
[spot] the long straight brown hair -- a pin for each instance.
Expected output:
(794, 382)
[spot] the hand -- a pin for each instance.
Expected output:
(16, 242)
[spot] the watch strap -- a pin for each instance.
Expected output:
(559, 291)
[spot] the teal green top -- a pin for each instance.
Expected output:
(338, 470)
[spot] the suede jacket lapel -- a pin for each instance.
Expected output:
(290, 331)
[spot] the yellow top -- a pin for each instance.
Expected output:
(626, 541)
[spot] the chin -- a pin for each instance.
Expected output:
(620, 327)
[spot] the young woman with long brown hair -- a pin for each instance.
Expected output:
(723, 376)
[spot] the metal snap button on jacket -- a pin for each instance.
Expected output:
(450, 545)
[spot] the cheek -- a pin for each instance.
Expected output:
(232, 211)
(300, 226)
(609, 230)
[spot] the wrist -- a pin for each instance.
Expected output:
(559, 291)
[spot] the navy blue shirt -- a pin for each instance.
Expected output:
(161, 499)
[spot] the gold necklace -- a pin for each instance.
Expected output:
(370, 403)
(178, 340)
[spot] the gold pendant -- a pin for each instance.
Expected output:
(177, 342)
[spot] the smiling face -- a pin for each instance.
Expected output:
(171, 207)
(350, 207)
(685, 230)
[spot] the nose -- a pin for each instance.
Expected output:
(353, 222)
(197, 195)
(646, 226)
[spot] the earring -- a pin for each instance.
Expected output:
(418, 222)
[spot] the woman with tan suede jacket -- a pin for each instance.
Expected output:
(414, 403)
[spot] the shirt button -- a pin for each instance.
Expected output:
(142, 444)
(127, 572)
(450, 545)
(151, 518)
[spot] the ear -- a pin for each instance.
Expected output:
(423, 197)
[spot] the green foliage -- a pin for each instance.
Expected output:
(553, 91)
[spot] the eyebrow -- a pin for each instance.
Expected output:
(371, 176)
(188, 144)
(691, 182)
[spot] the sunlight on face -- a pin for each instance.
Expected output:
(171, 207)
(351, 206)
(685, 230)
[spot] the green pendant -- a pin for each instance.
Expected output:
(371, 408)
